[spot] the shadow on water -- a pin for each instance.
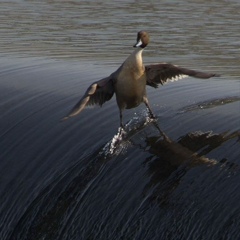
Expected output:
(51, 214)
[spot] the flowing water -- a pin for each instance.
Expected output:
(78, 179)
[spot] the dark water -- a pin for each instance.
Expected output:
(64, 180)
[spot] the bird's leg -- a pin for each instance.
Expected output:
(121, 118)
(145, 100)
(153, 117)
(121, 129)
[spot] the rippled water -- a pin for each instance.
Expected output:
(75, 179)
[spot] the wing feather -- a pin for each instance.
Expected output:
(97, 94)
(163, 72)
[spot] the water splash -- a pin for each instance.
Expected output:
(110, 147)
(121, 140)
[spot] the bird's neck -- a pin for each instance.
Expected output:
(135, 59)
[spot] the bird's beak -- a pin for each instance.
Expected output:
(138, 44)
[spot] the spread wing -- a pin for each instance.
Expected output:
(97, 94)
(164, 72)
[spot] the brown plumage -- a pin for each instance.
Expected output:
(129, 81)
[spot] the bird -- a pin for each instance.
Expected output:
(129, 82)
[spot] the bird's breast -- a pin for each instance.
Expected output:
(130, 89)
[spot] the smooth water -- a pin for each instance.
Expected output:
(76, 179)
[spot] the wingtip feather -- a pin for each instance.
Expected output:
(64, 119)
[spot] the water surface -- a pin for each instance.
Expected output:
(62, 180)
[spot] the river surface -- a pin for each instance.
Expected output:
(77, 179)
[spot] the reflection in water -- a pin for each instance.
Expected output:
(186, 153)
(206, 142)
(171, 160)
(168, 162)
(190, 148)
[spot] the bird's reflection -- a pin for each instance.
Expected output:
(189, 149)
(170, 160)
